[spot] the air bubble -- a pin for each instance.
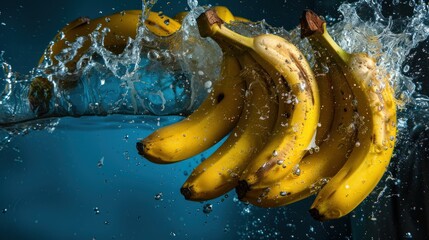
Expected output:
(406, 68)
(96, 210)
(208, 208)
(100, 163)
(158, 196)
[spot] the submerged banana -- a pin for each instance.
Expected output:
(122, 26)
(207, 125)
(293, 132)
(219, 173)
(376, 125)
(315, 169)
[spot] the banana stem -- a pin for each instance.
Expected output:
(210, 25)
(314, 28)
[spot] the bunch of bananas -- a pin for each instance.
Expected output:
(294, 131)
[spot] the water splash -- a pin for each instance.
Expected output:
(152, 75)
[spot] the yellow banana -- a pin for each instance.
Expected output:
(122, 25)
(219, 173)
(293, 132)
(376, 138)
(326, 104)
(222, 11)
(212, 120)
(317, 168)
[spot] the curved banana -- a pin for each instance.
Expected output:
(293, 132)
(207, 125)
(122, 25)
(219, 173)
(317, 168)
(376, 138)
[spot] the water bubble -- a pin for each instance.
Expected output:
(100, 162)
(126, 137)
(283, 193)
(106, 222)
(357, 144)
(406, 68)
(4, 210)
(408, 235)
(208, 84)
(315, 187)
(296, 170)
(167, 22)
(96, 210)
(226, 228)
(158, 196)
(208, 208)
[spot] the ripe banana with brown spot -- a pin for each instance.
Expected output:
(207, 125)
(122, 26)
(219, 173)
(293, 132)
(315, 169)
(376, 108)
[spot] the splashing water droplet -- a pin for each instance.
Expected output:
(408, 235)
(193, 4)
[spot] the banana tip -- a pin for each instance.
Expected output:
(186, 192)
(315, 214)
(242, 189)
(140, 148)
